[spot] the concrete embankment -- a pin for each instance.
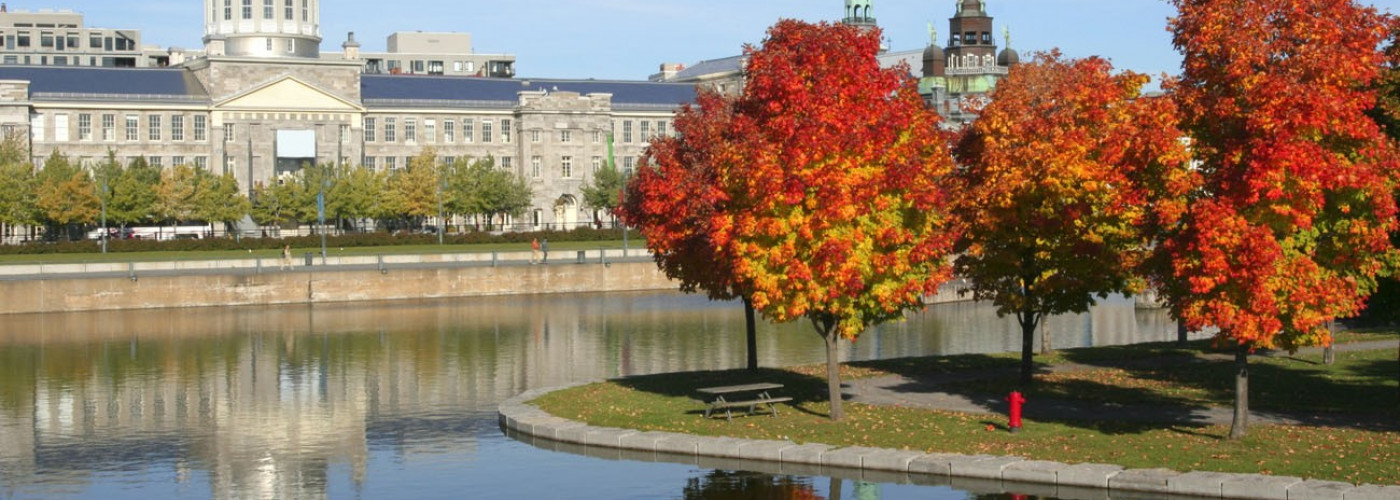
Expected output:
(240, 287)
(36, 288)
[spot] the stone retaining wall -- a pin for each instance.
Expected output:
(977, 473)
(297, 287)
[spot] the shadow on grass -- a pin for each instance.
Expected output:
(801, 388)
(1135, 389)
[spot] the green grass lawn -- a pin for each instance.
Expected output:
(1358, 382)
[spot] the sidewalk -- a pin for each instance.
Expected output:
(933, 392)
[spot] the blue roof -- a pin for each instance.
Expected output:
(456, 88)
(107, 81)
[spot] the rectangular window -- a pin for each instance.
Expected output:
(597, 136)
(60, 129)
(201, 162)
(468, 134)
(534, 136)
(228, 10)
(566, 136)
(289, 12)
(177, 127)
(661, 129)
(228, 132)
(201, 128)
(646, 131)
(627, 164)
(566, 167)
(230, 163)
(85, 127)
(368, 162)
(369, 129)
(109, 127)
(410, 130)
(596, 163)
(154, 127)
(177, 160)
(390, 135)
(435, 67)
(535, 166)
(505, 131)
(507, 163)
(305, 12)
(429, 131)
(391, 163)
(133, 123)
(36, 127)
(154, 161)
(627, 131)
(247, 9)
(449, 131)
(486, 131)
(267, 9)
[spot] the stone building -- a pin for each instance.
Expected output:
(966, 70)
(261, 99)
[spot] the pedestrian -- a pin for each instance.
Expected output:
(544, 247)
(534, 251)
(286, 257)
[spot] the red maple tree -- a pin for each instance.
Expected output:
(1290, 225)
(1053, 187)
(832, 172)
(676, 194)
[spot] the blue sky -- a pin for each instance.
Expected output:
(629, 39)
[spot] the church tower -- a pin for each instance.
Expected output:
(263, 28)
(860, 13)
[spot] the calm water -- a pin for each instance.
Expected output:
(398, 400)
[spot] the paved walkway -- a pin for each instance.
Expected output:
(939, 392)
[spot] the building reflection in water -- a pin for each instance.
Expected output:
(268, 402)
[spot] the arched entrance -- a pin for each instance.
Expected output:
(566, 212)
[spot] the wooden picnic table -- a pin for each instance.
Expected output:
(751, 395)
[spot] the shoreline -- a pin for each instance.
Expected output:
(978, 473)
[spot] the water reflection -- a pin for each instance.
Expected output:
(294, 402)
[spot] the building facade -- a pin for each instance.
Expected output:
(261, 99)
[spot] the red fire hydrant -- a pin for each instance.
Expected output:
(1016, 400)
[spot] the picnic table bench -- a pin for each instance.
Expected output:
(735, 396)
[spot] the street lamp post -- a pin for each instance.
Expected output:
(102, 199)
(442, 223)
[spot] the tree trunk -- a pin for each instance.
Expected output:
(826, 327)
(1329, 355)
(1181, 332)
(1028, 323)
(1240, 425)
(752, 335)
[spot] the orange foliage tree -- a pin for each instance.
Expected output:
(832, 172)
(1289, 227)
(674, 197)
(1056, 173)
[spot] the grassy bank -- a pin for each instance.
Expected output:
(1361, 385)
(96, 256)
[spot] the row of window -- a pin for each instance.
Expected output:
(269, 9)
(106, 129)
(199, 162)
(469, 131)
(68, 41)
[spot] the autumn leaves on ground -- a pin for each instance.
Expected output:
(1255, 196)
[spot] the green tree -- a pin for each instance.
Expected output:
(605, 191)
(413, 191)
(355, 193)
(272, 203)
(502, 192)
(18, 201)
(132, 197)
(177, 194)
(65, 194)
(219, 200)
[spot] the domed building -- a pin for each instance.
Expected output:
(968, 67)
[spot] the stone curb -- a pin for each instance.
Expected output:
(974, 472)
